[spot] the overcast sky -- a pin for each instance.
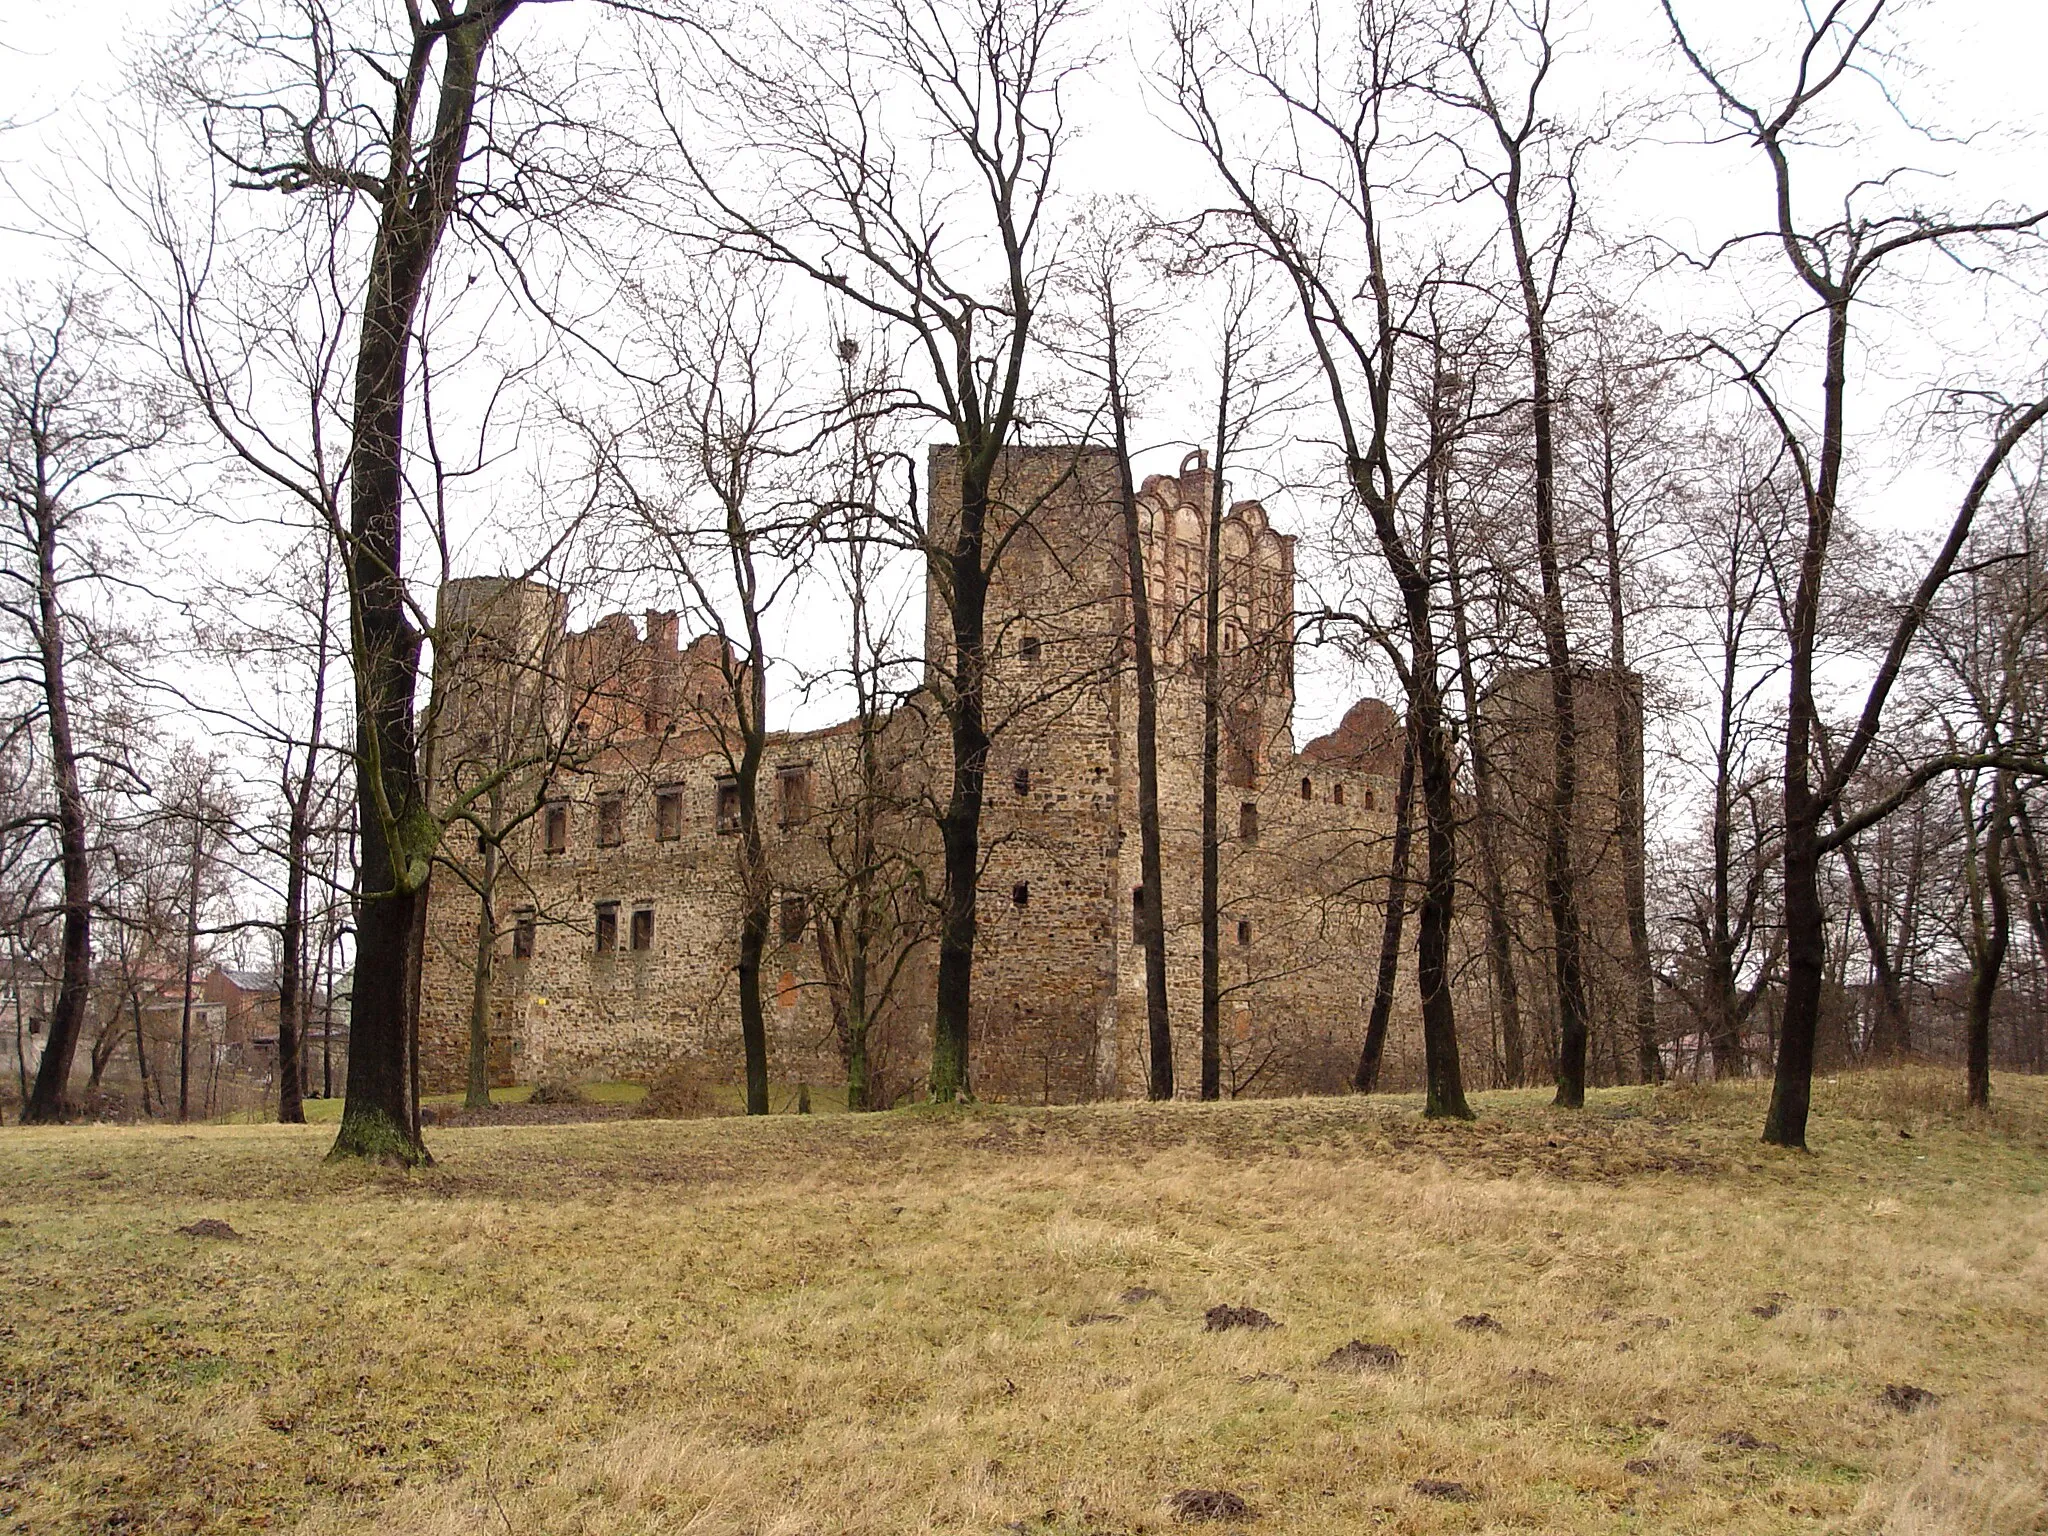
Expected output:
(1976, 68)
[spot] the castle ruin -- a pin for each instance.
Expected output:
(614, 895)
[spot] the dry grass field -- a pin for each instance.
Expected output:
(948, 1322)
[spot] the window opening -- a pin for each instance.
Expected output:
(643, 928)
(1021, 781)
(1308, 791)
(1244, 932)
(558, 829)
(795, 914)
(611, 821)
(607, 927)
(728, 814)
(1029, 648)
(668, 815)
(522, 936)
(1337, 794)
(793, 795)
(1248, 822)
(1020, 895)
(1242, 749)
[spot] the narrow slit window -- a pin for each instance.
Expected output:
(1244, 933)
(1248, 822)
(1020, 895)
(1337, 794)
(557, 829)
(1021, 781)
(1137, 914)
(607, 927)
(1308, 790)
(643, 929)
(1368, 800)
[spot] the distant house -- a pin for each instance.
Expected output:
(240, 1014)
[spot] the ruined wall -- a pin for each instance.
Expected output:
(1045, 978)
(1305, 835)
(1059, 1009)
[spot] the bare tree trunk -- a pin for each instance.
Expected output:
(1994, 935)
(141, 1051)
(291, 1108)
(960, 827)
(1212, 744)
(398, 833)
(291, 981)
(1560, 880)
(755, 899)
(1889, 1034)
(1500, 952)
(477, 1094)
(50, 1099)
(191, 951)
(1367, 1078)
(1805, 920)
(1152, 914)
(1628, 767)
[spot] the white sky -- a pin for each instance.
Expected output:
(1978, 67)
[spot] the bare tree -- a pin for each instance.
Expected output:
(73, 423)
(1107, 279)
(1503, 83)
(349, 113)
(1838, 262)
(1333, 101)
(800, 145)
(871, 907)
(1738, 531)
(708, 477)
(1623, 415)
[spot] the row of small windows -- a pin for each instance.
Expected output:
(1020, 898)
(792, 808)
(640, 934)
(1308, 794)
(793, 917)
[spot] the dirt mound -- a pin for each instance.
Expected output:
(1478, 1322)
(529, 1113)
(1191, 1504)
(1358, 1357)
(1742, 1440)
(1224, 1316)
(1904, 1398)
(210, 1226)
(1443, 1488)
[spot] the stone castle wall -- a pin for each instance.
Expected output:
(1059, 1007)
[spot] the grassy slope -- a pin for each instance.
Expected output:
(869, 1323)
